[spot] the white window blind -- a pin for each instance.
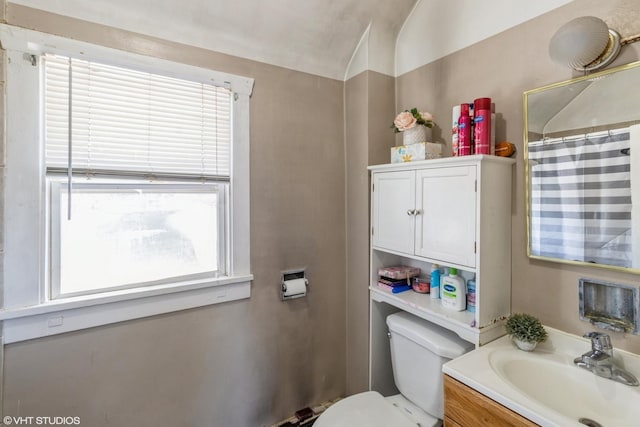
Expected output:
(125, 121)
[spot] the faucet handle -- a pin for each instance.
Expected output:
(599, 341)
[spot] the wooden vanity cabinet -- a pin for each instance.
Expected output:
(465, 407)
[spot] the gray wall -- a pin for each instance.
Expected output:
(246, 363)
(369, 111)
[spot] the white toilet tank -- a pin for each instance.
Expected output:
(418, 350)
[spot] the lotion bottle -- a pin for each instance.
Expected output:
(453, 291)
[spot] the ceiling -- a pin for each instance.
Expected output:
(315, 36)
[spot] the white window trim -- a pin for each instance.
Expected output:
(27, 313)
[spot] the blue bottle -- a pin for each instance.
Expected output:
(435, 281)
(471, 295)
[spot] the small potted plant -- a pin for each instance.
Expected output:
(525, 330)
(413, 124)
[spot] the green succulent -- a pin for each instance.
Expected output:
(525, 327)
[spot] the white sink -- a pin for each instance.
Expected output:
(573, 392)
(545, 385)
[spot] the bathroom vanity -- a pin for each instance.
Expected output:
(465, 407)
(543, 387)
(454, 212)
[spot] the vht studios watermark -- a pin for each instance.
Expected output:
(40, 421)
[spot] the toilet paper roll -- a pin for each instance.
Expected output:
(294, 287)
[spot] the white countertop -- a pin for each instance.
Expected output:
(479, 369)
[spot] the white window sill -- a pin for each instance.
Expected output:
(72, 314)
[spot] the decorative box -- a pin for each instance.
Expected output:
(419, 151)
(399, 272)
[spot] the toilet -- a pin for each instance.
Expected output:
(418, 351)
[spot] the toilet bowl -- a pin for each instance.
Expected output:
(418, 351)
(368, 409)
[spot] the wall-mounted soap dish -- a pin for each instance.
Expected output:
(609, 306)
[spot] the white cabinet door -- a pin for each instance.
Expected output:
(392, 216)
(446, 216)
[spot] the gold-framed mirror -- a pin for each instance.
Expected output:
(582, 170)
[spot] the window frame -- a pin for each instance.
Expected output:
(28, 312)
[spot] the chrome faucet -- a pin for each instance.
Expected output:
(600, 360)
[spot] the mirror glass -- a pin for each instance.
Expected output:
(582, 166)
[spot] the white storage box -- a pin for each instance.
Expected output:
(419, 151)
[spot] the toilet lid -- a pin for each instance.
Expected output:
(368, 409)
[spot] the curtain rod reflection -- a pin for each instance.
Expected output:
(587, 135)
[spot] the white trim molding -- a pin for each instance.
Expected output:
(73, 314)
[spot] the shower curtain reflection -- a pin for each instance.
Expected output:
(581, 198)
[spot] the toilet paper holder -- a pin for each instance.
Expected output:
(290, 284)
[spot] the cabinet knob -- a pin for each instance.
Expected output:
(417, 212)
(411, 212)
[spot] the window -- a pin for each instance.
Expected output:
(120, 125)
(157, 186)
(124, 235)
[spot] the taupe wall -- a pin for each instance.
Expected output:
(246, 363)
(357, 245)
(369, 111)
(502, 68)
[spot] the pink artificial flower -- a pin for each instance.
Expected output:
(404, 121)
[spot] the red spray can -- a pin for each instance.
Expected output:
(482, 121)
(464, 131)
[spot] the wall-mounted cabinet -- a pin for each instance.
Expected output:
(454, 212)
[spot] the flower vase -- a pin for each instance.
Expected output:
(414, 135)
